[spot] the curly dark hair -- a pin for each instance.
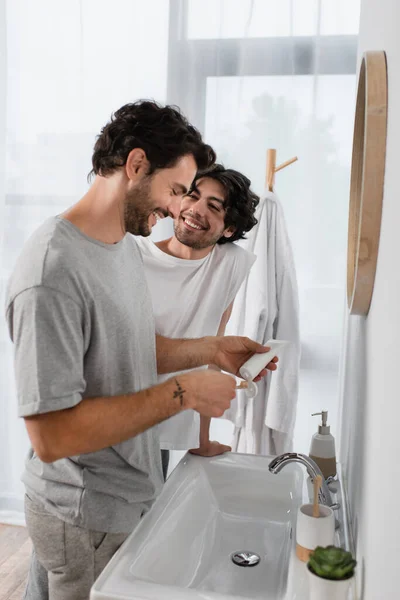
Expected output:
(240, 201)
(161, 131)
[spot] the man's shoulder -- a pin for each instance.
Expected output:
(145, 244)
(235, 254)
(138, 240)
(45, 260)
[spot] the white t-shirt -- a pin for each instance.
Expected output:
(189, 298)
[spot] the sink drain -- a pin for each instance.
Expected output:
(245, 558)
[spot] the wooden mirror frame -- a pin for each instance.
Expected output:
(367, 179)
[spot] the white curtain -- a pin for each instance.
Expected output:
(251, 74)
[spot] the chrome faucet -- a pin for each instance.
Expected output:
(277, 464)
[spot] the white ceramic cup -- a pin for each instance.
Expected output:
(315, 531)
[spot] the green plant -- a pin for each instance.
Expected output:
(332, 563)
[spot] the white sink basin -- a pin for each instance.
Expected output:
(210, 508)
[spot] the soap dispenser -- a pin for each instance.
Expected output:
(322, 449)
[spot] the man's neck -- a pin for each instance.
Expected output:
(99, 214)
(174, 247)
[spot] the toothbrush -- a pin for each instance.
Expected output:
(249, 386)
(317, 485)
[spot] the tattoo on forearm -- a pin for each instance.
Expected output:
(179, 392)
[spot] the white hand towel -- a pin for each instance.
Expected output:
(266, 307)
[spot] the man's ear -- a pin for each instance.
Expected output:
(228, 232)
(136, 164)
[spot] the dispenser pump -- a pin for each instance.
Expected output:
(322, 448)
(323, 429)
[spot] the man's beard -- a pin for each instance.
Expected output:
(138, 208)
(186, 237)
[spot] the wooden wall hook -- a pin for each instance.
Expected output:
(272, 168)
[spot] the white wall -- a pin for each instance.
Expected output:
(370, 441)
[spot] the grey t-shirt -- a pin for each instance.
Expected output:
(80, 316)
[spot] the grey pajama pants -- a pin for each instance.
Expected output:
(66, 559)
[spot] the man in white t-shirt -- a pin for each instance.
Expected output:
(193, 279)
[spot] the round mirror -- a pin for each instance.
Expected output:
(367, 178)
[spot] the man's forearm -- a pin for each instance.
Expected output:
(180, 354)
(97, 423)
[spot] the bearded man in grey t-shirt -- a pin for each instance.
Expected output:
(86, 354)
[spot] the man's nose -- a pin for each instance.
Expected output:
(174, 207)
(198, 208)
